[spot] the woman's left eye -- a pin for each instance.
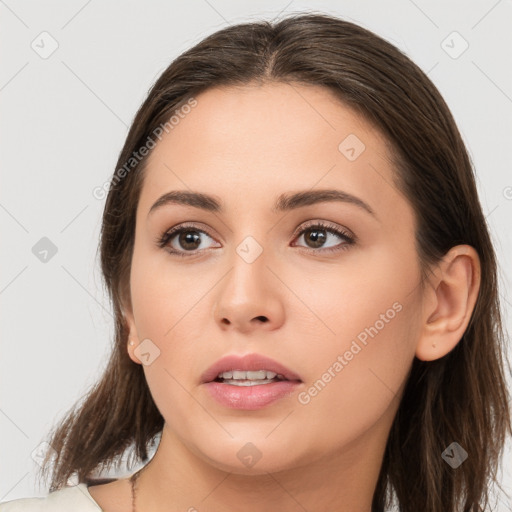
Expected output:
(316, 234)
(189, 237)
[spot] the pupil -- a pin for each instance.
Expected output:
(318, 236)
(190, 237)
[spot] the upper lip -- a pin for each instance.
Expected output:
(248, 362)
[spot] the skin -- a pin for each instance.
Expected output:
(246, 146)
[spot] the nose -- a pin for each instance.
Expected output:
(249, 297)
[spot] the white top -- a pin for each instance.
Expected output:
(67, 499)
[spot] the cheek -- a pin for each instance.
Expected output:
(164, 311)
(369, 310)
(158, 305)
(355, 383)
(341, 299)
(163, 294)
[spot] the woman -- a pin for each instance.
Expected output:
(304, 289)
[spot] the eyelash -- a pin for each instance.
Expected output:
(164, 239)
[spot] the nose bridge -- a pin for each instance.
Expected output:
(249, 272)
(248, 295)
(250, 239)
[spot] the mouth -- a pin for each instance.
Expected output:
(249, 382)
(248, 370)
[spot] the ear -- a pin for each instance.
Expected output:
(449, 299)
(133, 337)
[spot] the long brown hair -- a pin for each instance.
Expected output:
(461, 397)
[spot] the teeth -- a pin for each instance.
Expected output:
(248, 382)
(249, 375)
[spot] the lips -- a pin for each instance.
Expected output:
(248, 362)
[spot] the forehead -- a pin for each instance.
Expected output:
(249, 144)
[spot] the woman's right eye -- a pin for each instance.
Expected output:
(187, 238)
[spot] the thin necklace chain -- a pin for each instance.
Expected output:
(133, 480)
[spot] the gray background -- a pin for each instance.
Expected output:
(64, 120)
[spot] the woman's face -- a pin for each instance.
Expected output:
(247, 278)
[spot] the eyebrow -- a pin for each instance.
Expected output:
(284, 202)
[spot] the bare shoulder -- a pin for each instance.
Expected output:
(113, 496)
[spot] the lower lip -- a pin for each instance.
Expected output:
(250, 397)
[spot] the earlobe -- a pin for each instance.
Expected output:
(133, 340)
(449, 300)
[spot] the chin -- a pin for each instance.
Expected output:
(247, 458)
